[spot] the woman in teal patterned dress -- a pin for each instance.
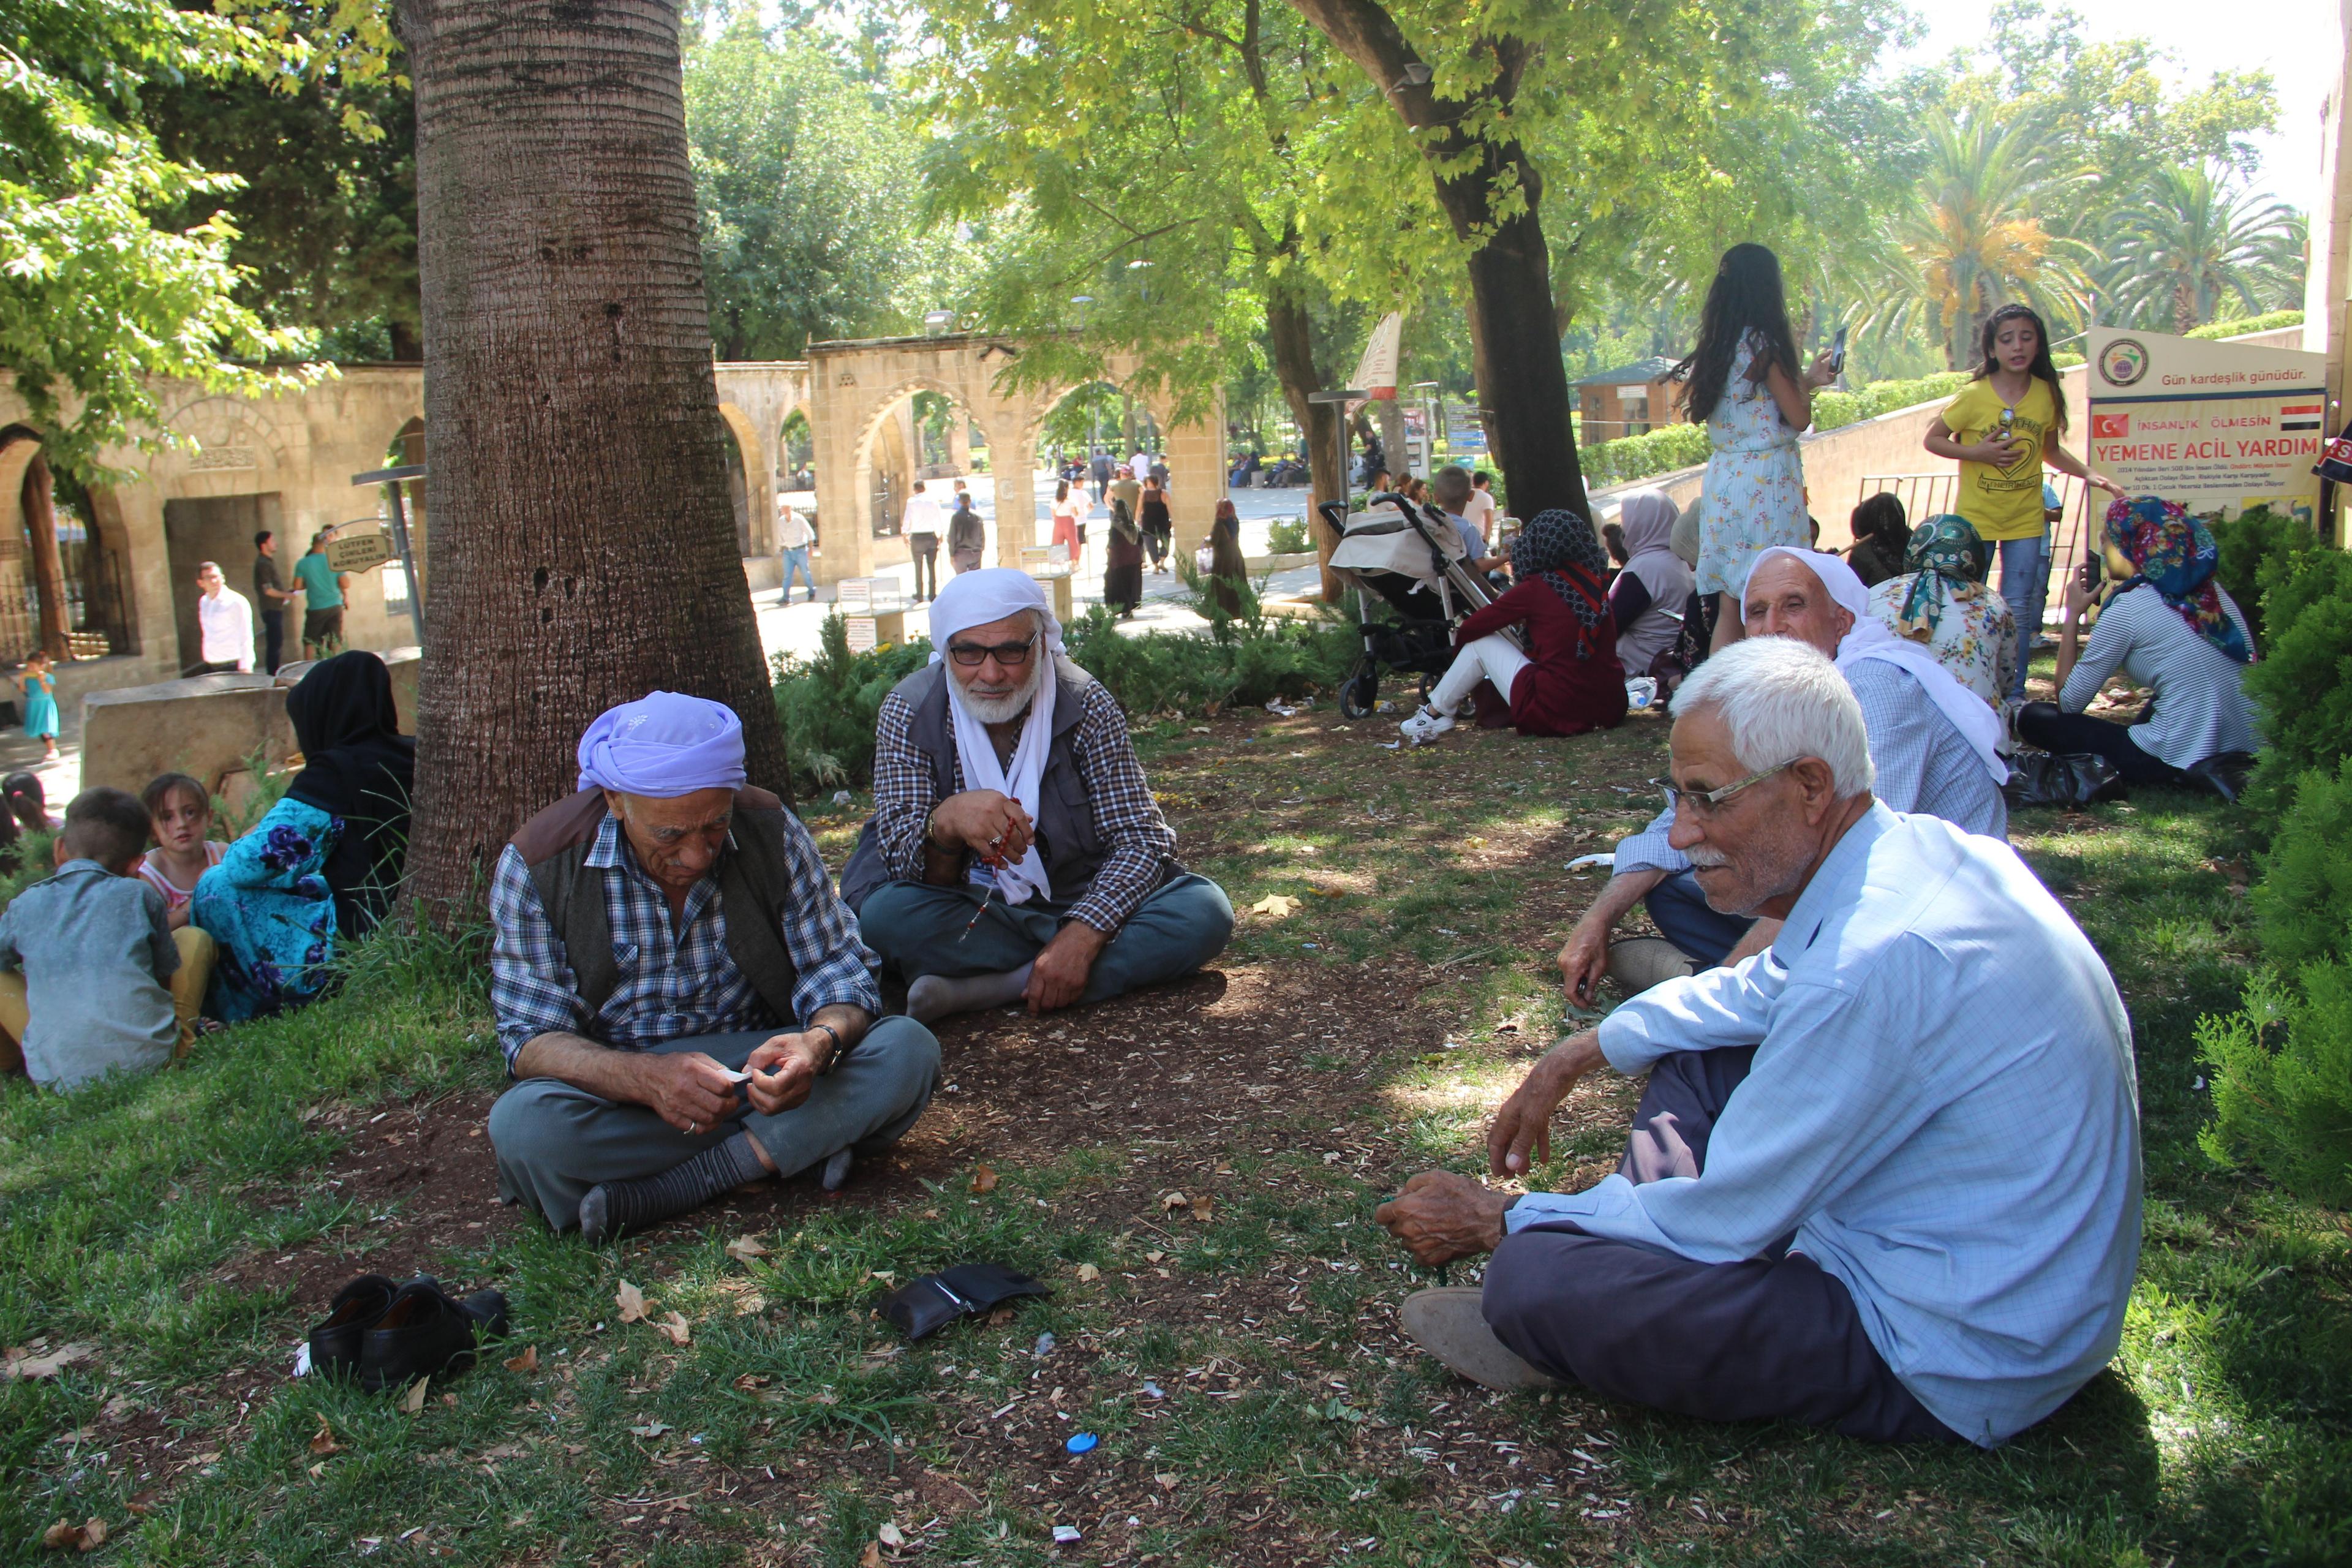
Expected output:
(1744, 383)
(322, 868)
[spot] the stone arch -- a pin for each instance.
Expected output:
(751, 483)
(795, 454)
(94, 547)
(878, 505)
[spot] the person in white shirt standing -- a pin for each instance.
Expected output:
(1479, 511)
(793, 537)
(224, 622)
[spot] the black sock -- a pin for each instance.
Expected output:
(614, 1208)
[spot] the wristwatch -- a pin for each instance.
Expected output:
(833, 1056)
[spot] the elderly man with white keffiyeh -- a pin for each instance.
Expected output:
(1016, 852)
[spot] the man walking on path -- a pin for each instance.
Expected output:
(271, 597)
(793, 537)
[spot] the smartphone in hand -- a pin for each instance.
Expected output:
(1837, 353)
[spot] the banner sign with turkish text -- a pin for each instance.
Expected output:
(2217, 426)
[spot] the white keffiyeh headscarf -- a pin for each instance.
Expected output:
(1978, 725)
(975, 599)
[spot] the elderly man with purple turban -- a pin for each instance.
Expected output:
(683, 1000)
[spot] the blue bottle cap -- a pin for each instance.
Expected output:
(1082, 1442)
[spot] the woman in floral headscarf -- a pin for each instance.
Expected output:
(2169, 627)
(1940, 601)
(1568, 680)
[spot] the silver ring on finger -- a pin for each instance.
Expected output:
(693, 1126)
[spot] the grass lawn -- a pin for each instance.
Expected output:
(1194, 1171)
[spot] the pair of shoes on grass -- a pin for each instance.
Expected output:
(1426, 725)
(389, 1335)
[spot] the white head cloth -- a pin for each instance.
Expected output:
(1869, 638)
(975, 599)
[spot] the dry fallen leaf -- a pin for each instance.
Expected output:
(1155, 1257)
(890, 1536)
(872, 1556)
(1167, 1480)
(983, 1179)
(1088, 1273)
(323, 1441)
(631, 1300)
(1000, 1316)
(1173, 1201)
(527, 1361)
(1203, 1208)
(414, 1400)
(85, 1536)
(744, 1248)
(1274, 904)
(675, 1328)
(751, 1380)
(23, 1363)
(143, 1503)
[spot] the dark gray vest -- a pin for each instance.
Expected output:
(754, 892)
(1066, 839)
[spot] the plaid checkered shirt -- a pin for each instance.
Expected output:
(1125, 815)
(673, 984)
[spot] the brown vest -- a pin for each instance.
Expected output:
(754, 893)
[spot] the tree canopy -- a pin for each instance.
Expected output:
(98, 293)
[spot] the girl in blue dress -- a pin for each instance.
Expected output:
(39, 682)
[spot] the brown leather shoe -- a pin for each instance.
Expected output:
(1447, 1323)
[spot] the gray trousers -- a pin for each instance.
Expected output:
(919, 928)
(554, 1140)
(1772, 1338)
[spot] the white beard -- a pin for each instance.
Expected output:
(1000, 709)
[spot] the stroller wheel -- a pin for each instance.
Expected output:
(1358, 696)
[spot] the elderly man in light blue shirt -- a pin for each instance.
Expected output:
(1935, 747)
(1885, 1175)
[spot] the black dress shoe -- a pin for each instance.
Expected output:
(335, 1339)
(425, 1333)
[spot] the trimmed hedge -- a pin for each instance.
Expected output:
(1685, 445)
(2271, 322)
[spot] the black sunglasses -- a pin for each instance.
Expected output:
(972, 655)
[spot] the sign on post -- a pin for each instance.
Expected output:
(2219, 427)
(359, 552)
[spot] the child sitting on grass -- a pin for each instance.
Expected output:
(180, 811)
(107, 985)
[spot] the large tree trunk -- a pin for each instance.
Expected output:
(1290, 332)
(1522, 383)
(583, 548)
(41, 504)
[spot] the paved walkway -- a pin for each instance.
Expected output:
(796, 629)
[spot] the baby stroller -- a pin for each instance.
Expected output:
(1411, 560)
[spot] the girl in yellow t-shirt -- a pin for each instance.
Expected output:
(2002, 429)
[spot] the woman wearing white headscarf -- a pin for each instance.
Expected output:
(1648, 595)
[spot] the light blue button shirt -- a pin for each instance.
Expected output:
(1942, 1110)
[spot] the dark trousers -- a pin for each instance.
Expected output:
(1773, 1338)
(920, 929)
(2044, 725)
(273, 640)
(924, 548)
(1684, 918)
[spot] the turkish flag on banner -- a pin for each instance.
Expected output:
(2110, 427)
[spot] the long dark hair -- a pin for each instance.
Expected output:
(1746, 296)
(2042, 366)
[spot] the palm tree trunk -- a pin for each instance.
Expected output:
(583, 548)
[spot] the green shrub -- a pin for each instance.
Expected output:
(1287, 536)
(2302, 901)
(2238, 329)
(2282, 1069)
(2304, 679)
(1661, 451)
(828, 704)
(1833, 409)
(2259, 550)
(1161, 672)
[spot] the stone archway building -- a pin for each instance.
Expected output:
(285, 463)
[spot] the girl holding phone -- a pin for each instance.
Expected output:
(1744, 381)
(2000, 429)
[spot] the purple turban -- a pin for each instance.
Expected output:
(664, 745)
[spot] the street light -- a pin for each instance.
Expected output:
(935, 322)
